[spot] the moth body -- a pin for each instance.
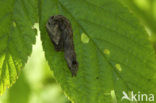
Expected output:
(61, 35)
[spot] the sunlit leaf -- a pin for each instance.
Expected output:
(17, 18)
(117, 56)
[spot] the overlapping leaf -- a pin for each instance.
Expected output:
(17, 18)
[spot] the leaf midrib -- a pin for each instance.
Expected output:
(119, 75)
(96, 46)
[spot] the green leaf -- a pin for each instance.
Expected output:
(17, 18)
(146, 16)
(112, 48)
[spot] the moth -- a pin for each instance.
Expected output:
(61, 35)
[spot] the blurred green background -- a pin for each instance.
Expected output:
(145, 10)
(37, 83)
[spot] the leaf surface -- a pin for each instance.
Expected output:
(17, 18)
(112, 48)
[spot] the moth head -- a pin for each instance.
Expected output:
(53, 30)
